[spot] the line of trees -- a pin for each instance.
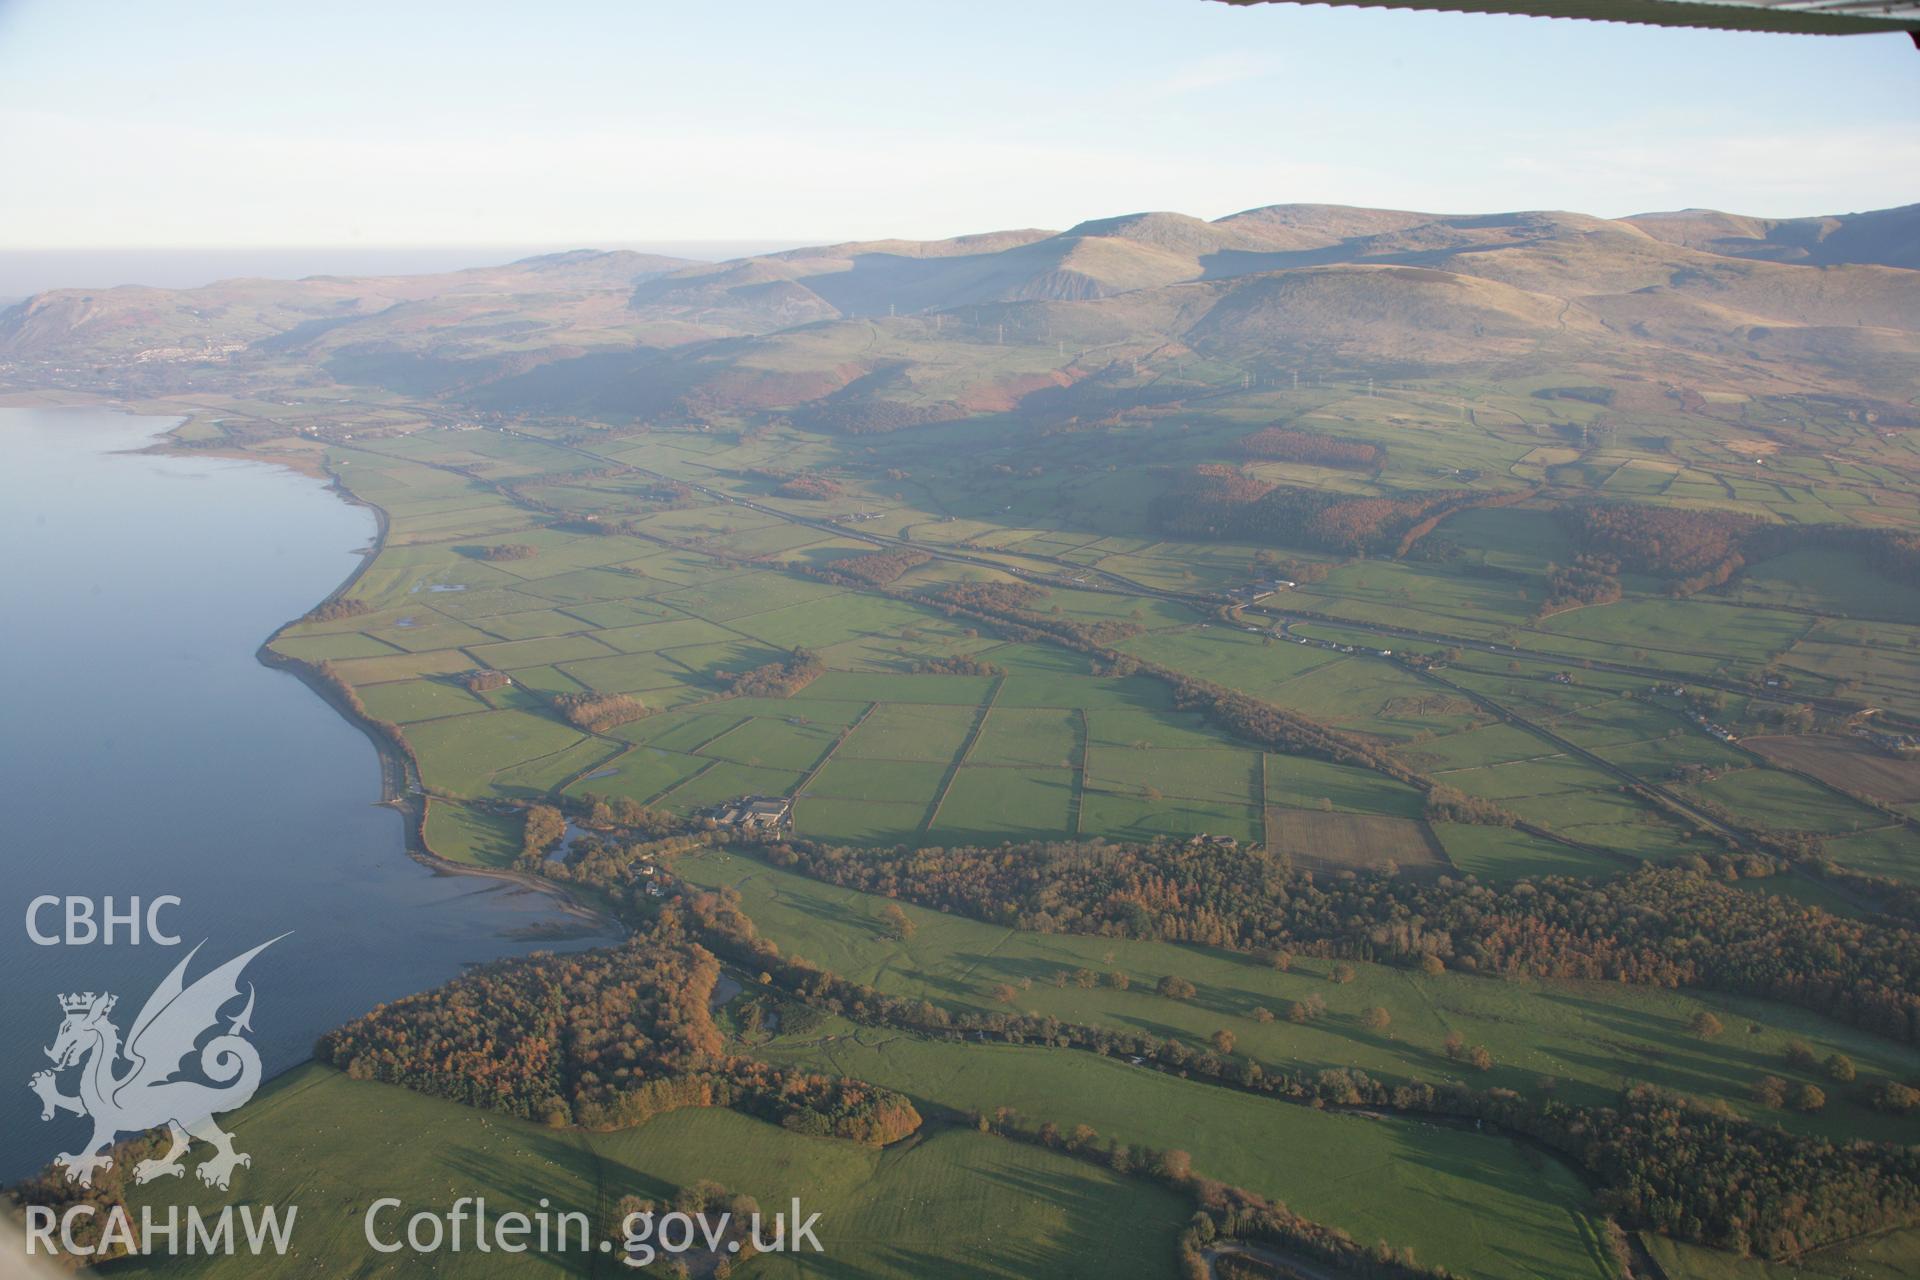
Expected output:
(1222, 1212)
(508, 551)
(603, 1039)
(780, 679)
(599, 712)
(1694, 549)
(337, 608)
(959, 664)
(1660, 926)
(1699, 549)
(877, 568)
(1590, 579)
(808, 485)
(1663, 1161)
(1214, 501)
(546, 1036)
(1445, 804)
(1315, 448)
(542, 829)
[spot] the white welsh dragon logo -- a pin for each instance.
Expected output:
(145, 1095)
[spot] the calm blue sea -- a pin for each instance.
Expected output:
(144, 751)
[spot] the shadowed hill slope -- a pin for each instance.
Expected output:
(1887, 237)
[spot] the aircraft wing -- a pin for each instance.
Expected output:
(1807, 17)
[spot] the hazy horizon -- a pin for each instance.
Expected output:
(239, 125)
(28, 271)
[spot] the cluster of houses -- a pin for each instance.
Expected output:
(647, 874)
(1712, 728)
(205, 352)
(775, 813)
(1259, 590)
(1894, 744)
(1333, 646)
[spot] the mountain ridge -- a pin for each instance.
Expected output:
(901, 332)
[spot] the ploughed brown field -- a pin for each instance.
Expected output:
(1853, 766)
(1350, 841)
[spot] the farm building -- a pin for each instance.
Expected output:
(756, 813)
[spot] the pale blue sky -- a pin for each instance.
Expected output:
(418, 122)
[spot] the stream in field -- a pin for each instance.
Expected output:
(144, 752)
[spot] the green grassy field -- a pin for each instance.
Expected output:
(674, 592)
(462, 833)
(1883, 1257)
(332, 1145)
(618, 613)
(1590, 1038)
(1411, 1183)
(1772, 798)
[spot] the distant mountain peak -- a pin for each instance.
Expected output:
(1882, 237)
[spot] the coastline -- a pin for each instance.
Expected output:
(577, 920)
(401, 787)
(400, 790)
